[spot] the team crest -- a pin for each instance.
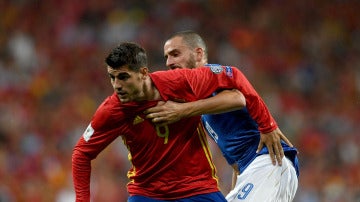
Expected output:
(216, 69)
(229, 71)
(137, 120)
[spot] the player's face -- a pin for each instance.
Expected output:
(127, 84)
(178, 55)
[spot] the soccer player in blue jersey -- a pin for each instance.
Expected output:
(240, 135)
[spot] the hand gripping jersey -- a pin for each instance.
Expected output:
(169, 162)
(237, 136)
(237, 133)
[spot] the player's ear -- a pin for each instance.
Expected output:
(199, 54)
(144, 71)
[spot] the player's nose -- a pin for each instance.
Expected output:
(117, 84)
(170, 62)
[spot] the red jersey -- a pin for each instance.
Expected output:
(169, 162)
(202, 82)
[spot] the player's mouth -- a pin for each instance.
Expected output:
(121, 94)
(124, 97)
(175, 67)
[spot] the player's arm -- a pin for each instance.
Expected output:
(81, 171)
(84, 152)
(170, 112)
(96, 137)
(270, 134)
(232, 77)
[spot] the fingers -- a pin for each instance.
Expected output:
(271, 153)
(283, 137)
(158, 118)
(160, 103)
(273, 143)
(279, 153)
(276, 154)
(155, 109)
(260, 146)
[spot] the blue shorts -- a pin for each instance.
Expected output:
(211, 197)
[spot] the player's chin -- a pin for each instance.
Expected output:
(124, 99)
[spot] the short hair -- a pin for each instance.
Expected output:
(127, 53)
(192, 39)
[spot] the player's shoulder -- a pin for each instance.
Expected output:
(109, 103)
(215, 68)
(164, 75)
(110, 109)
(222, 69)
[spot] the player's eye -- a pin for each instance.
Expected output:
(123, 77)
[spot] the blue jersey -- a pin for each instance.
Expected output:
(237, 136)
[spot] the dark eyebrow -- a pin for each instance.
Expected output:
(119, 75)
(171, 52)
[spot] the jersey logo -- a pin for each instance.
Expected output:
(229, 71)
(137, 120)
(215, 68)
(88, 133)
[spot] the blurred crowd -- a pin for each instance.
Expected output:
(303, 57)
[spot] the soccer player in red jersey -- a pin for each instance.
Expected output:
(169, 162)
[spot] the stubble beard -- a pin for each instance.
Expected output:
(191, 63)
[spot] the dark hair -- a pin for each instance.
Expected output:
(192, 39)
(127, 53)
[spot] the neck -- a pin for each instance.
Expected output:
(150, 91)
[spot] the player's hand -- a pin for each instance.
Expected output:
(165, 112)
(272, 141)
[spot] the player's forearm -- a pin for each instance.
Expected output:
(225, 101)
(261, 114)
(81, 170)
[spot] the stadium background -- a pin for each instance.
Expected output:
(301, 56)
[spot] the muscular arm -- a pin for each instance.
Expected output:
(170, 112)
(233, 78)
